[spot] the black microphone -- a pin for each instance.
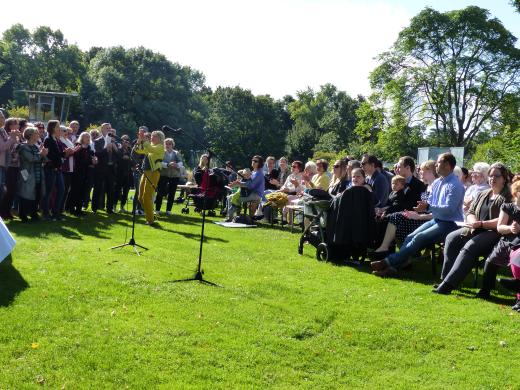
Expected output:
(166, 128)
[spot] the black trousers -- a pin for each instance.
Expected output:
(79, 189)
(167, 187)
(461, 253)
(29, 207)
(104, 182)
(123, 182)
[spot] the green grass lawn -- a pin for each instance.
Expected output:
(75, 314)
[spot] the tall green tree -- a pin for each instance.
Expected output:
(328, 110)
(240, 125)
(140, 87)
(451, 71)
(41, 60)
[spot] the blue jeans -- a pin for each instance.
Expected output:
(425, 235)
(53, 178)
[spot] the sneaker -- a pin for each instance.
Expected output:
(157, 212)
(139, 212)
(169, 213)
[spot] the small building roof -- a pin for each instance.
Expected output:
(49, 93)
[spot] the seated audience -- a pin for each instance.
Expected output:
(376, 179)
(508, 226)
(480, 183)
(445, 203)
(400, 225)
(255, 185)
(320, 179)
(463, 246)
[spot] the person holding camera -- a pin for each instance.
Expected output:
(107, 154)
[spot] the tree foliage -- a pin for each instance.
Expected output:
(452, 70)
(326, 111)
(42, 60)
(137, 86)
(240, 125)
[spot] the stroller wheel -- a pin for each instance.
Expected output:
(322, 252)
(300, 245)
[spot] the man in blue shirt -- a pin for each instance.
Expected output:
(445, 204)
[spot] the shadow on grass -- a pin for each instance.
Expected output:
(11, 282)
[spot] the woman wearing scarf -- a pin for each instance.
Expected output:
(31, 184)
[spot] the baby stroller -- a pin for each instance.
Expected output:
(316, 206)
(213, 185)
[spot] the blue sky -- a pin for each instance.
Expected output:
(274, 47)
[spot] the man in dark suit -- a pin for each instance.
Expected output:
(376, 179)
(414, 187)
(107, 154)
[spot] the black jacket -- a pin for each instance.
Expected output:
(413, 193)
(351, 219)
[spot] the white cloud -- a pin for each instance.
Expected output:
(271, 47)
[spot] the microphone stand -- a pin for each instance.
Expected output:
(199, 273)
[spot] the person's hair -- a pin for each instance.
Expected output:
(83, 135)
(399, 179)
(51, 126)
(106, 124)
(159, 134)
(28, 132)
(22, 122)
(324, 163)
(465, 171)
(457, 171)
(429, 166)
(260, 160)
(358, 170)
(74, 123)
(408, 162)
(167, 140)
(354, 163)
(372, 160)
(202, 158)
(482, 168)
(64, 128)
(300, 165)
(283, 158)
(515, 178)
(229, 162)
(270, 158)
(10, 122)
(503, 171)
(515, 188)
(39, 124)
(145, 128)
(450, 159)
(312, 166)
